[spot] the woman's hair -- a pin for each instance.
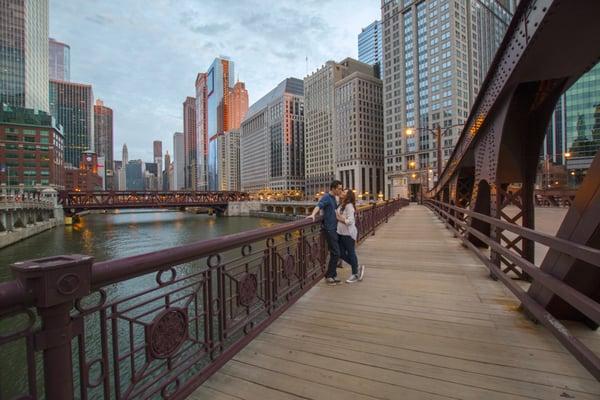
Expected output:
(349, 199)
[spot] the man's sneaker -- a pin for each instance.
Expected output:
(352, 279)
(331, 281)
(361, 272)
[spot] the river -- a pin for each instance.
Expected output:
(125, 233)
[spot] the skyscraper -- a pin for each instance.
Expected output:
(103, 138)
(272, 140)
(189, 141)
(157, 150)
(358, 133)
(123, 170)
(135, 175)
(179, 161)
(72, 106)
(24, 54)
(228, 148)
(319, 106)
(238, 105)
(60, 60)
(212, 117)
(434, 55)
(369, 45)
(166, 184)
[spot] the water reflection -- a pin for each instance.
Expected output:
(124, 233)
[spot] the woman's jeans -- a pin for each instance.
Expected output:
(348, 252)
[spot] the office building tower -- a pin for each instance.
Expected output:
(213, 107)
(272, 141)
(117, 165)
(370, 47)
(135, 175)
(358, 134)
(238, 105)
(189, 142)
(59, 56)
(72, 104)
(157, 152)
(319, 93)
(434, 55)
(123, 171)
(103, 139)
(178, 161)
(31, 148)
(24, 54)
(166, 184)
(228, 156)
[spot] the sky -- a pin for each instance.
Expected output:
(142, 56)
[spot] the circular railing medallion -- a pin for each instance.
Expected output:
(167, 332)
(247, 289)
(289, 267)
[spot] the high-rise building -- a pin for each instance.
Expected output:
(157, 150)
(31, 148)
(123, 170)
(178, 161)
(103, 139)
(85, 177)
(228, 156)
(238, 105)
(190, 141)
(213, 106)
(319, 93)
(72, 105)
(59, 55)
(135, 175)
(358, 133)
(272, 140)
(24, 54)
(434, 54)
(369, 46)
(151, 174)
(166, 184)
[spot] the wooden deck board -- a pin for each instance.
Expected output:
(426, 323)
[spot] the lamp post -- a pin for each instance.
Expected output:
(437, 131)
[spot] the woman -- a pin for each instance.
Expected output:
(347, 233)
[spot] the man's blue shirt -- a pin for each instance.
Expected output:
(328, 204)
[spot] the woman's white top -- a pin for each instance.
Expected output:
(348, 228)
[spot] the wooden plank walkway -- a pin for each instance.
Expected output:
(426, 323)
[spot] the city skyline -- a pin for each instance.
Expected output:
(120, 53)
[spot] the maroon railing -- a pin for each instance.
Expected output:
(154, 325)
(460, 220)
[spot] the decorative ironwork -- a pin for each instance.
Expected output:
(167, 333)
(247, 289)
(163, 322)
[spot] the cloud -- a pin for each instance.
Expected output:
(142, 57)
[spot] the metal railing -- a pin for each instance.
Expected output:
(154, 325)
(459, 221)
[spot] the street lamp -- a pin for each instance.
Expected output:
(438, 135)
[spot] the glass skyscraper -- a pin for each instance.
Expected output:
(60, 60)
(24, 53)
(369, 45)
(72, 106)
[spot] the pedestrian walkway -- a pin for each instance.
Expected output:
(426, 323)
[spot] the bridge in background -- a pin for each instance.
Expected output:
(74, 201)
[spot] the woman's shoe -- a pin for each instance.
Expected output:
(352, 279)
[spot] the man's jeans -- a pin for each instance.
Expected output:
(334, 253)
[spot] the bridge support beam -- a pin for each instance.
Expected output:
(582, 226)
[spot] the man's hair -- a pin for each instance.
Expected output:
(335, 184)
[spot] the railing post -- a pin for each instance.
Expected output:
(56, 282)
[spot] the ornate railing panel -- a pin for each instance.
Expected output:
(460, 221)
(153, 325)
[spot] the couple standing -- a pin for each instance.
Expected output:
(340, 230)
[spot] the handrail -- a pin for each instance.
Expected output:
(578, 300)
(197, 316)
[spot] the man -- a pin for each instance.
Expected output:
(328, 204)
